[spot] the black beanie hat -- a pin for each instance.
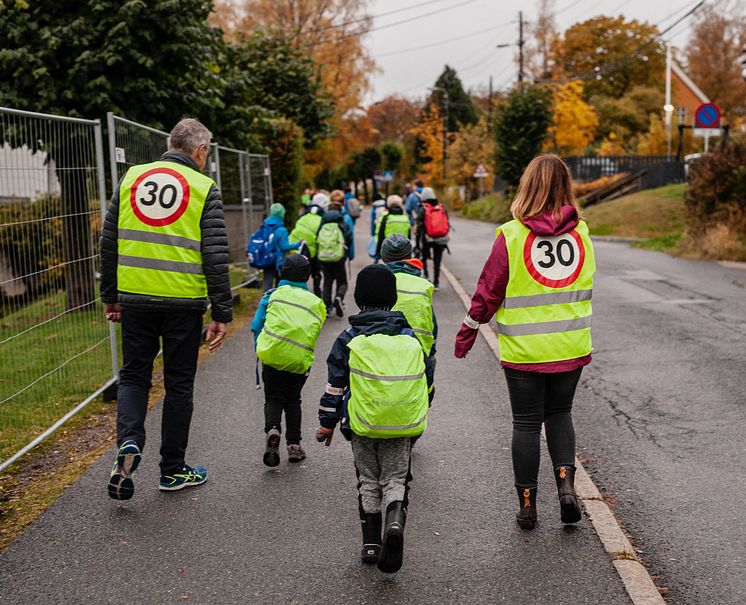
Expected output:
(296, 268)
(396, 247)
(375, 288)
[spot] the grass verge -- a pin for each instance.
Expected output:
(31, 485)
(492, 208)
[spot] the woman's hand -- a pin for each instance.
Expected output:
(465, 341)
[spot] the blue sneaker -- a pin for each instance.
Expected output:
(121, 486)
(187, 477)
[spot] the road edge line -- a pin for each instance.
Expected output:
(635, 577)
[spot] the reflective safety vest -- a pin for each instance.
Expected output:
(546, 314)
(159, 245)
(388, 387)
(395, 223)
(293, 323)
(414, 298)
(306, 228)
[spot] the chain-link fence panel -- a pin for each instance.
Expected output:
(57, 351)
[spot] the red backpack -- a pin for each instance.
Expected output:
(436, 221)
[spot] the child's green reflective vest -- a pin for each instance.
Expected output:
(159, 237)
(293, 323)
(414, 298)
(305, 229)
(546, 314)
(388, 387)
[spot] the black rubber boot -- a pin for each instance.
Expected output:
(569, 507)
(371, 524)
(526, 517)
(392, 552)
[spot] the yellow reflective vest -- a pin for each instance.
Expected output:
(388, 386)
(414, 298)
(159, 236)
(293, 323)
(546, 314)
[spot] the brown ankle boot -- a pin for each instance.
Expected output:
(569, 507)
(526, 517)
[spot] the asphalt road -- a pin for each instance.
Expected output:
(661, 411)
(291, 535)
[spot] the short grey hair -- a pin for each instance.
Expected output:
(188, 135)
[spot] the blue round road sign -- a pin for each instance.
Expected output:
(707, 116)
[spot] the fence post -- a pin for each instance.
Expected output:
(217, 168)
(242, 161)
(98, 136)
(249, 194)
(268, 179)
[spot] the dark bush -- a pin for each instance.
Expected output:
(717, 189)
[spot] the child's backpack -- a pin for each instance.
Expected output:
(261, 250)
(353, 207)
(436, 221)
(330, 243)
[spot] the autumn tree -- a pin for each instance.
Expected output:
(520, 129)
(611, 55)
(574, 121)
(429, 134)
(717, 40)
(471, 146)
(392, 118)
(627, 117)
(543, 36)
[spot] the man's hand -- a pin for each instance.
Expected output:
(215, 335)
(324, 434)
(113, 312)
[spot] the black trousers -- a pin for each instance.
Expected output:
(270, 278)
(282, 393)
(537, 398)
(316, 276)
(334, 272)
(434, 251)
(142, 331)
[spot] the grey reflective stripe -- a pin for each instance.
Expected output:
(377, 377)
(134, 235)
(425, 332)
(411, 292)
(288, 340)
(160, 265)
(551, 298)
(292, 304)
(544, 327)
(391, 427)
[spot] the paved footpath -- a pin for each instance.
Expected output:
(291, 535)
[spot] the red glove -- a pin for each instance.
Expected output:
(324, 434)
(465, 341)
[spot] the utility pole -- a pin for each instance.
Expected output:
(668, 108)
(489, 108)
(520, 46)
(445, 132)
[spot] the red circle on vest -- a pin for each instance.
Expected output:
(159, 196)
(554, 261)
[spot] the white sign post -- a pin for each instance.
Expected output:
(481, 173)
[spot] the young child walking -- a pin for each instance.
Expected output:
(380, 387)
(286, 326)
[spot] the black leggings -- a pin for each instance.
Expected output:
(437, 255)
(535, 398)
(334, 272)
(282, 392)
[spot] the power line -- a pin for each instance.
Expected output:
(409, 20)
(440, 42)
(386, 14)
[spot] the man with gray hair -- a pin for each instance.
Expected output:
(164, 253)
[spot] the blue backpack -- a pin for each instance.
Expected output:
(261, 250)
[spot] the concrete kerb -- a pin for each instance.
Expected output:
(635, 578)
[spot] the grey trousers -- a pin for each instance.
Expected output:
(383, 471)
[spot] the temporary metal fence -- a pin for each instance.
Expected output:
(659, 170)
(57, 351)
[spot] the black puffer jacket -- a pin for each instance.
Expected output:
(214, 248)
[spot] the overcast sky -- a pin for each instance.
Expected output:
(480, 25)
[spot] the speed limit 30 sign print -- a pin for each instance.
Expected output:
(159, 196)
(554, 261)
